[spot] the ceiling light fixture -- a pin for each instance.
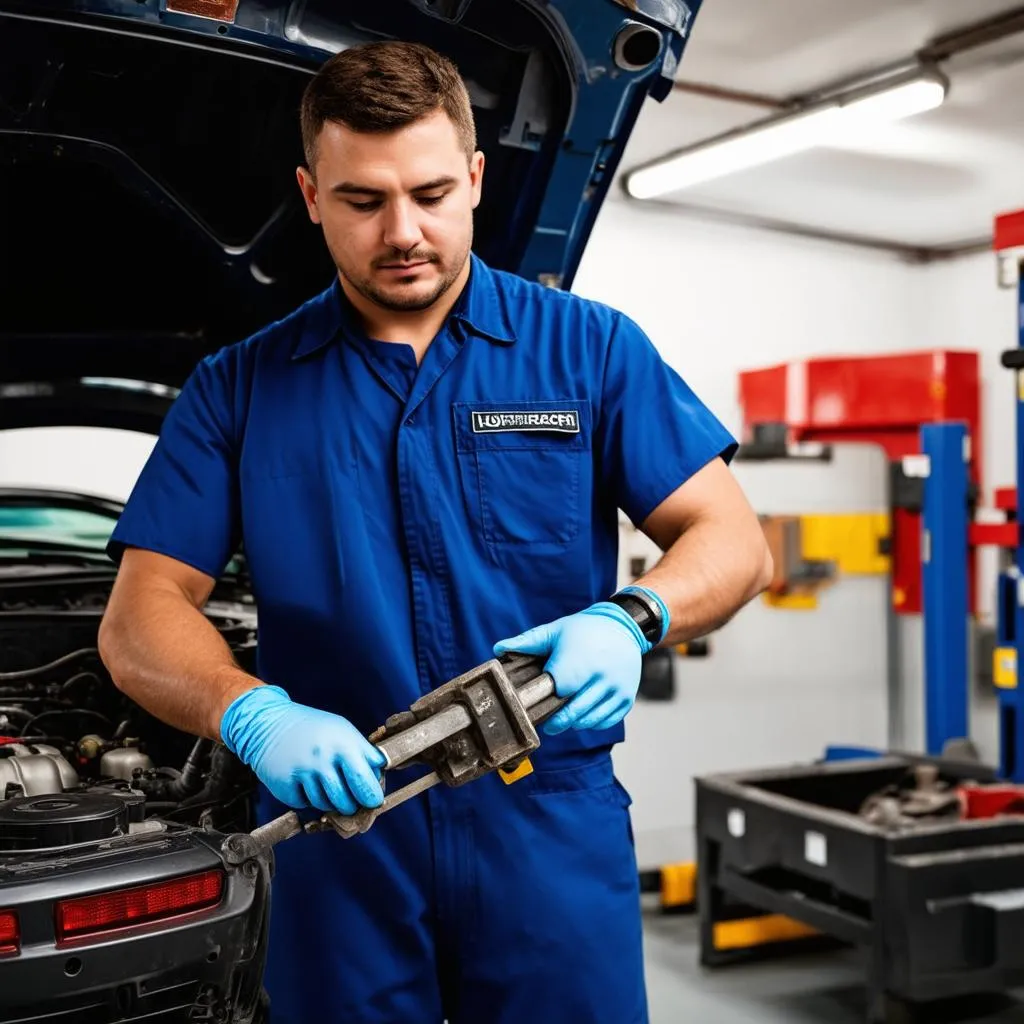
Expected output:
(855, 113)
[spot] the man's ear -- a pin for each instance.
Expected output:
(307, 185)
(476, 177)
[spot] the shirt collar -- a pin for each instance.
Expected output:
(326, 318)
(479, 308)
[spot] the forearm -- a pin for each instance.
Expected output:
(168, 657)
(711, 571)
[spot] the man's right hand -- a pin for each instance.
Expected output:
(305, 757)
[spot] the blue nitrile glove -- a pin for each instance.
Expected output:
(305, 757)
(594, 659)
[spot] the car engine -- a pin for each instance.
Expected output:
(66, 729)
(116, 899)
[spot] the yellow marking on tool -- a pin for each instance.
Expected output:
(678, 885)
(759, 931)
(1004, 668)
(524, 769)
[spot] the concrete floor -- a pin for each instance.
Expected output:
(823, 988)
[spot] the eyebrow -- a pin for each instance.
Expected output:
(353, 188)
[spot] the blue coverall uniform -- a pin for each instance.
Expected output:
(398, 520)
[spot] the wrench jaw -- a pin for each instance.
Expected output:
(497, 731)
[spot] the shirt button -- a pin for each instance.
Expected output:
(409, 420)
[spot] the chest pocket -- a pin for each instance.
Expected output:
(525, 469)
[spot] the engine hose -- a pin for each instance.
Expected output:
(190, 781)
(28, 673)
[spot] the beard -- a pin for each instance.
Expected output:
(400, 297)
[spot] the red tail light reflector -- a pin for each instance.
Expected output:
(10, 932)
(89, 915)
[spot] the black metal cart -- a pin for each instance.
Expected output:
(938, 905)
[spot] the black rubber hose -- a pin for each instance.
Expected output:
(28, 673)
(66, 711)
(190, 781)
(13, 709)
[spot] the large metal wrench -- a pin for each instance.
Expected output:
(537, 696)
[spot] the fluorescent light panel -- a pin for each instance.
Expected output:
(779, 137)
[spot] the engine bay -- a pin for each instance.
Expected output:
(79, 761)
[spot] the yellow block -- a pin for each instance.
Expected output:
(678, 885)
(1004, 668)
(791, 602)
(758, 931)
(679, 889)
(524, 769)
(851, 540)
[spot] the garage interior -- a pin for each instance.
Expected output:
(872, 246)
(852, 310)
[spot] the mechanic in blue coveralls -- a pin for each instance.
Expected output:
(422, 460)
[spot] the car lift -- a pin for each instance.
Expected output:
(936, 477)
(916, 859)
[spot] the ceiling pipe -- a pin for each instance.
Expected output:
(717, 92)
(971, 36)
(941, 48)
(907, 252)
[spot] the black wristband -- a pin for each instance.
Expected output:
(645, 614)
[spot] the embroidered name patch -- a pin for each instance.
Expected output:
(564, 422)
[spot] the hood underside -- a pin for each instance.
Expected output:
(148, 201)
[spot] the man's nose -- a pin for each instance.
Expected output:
(401, 228)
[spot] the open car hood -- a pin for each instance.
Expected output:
(147, 168)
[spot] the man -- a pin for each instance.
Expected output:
(425, 459)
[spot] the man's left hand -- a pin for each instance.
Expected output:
(593, 658)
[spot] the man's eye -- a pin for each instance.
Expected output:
(430, 200)
(365, 207)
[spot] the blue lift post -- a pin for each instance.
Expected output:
(1011, 700)
(944, 526)
(1011, 709)
(944, 566)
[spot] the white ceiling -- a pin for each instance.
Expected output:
(934, 180)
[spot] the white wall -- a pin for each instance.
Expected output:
(781, 686)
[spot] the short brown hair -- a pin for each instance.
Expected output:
(384, 86)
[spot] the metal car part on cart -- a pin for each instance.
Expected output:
(928, 799)
(482, 721)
